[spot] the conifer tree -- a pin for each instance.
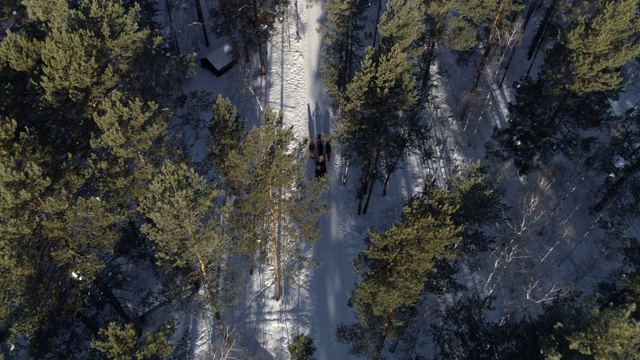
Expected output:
(342, 44)
(225, 132)
(402, 24)
(528, 115)
(462, 25)
(610, 334)
(398, 263)
(72, 57)
(577, 64)
(465, 332)
(599, 45)
(128, 146)
(443, 24)
(503, 11)
(9, 10)
(625, 178)
(372, 110)
(492, 16)
(57, 235)
(124, 343)
(275, 195)
(183, 227)
(74, 162)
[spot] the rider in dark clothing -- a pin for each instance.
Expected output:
(320, 145)
(321, 167)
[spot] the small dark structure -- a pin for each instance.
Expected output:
(219, 61)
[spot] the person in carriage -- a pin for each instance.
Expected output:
(320, 151)
(321, 167)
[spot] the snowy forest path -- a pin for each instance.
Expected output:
(328, 286)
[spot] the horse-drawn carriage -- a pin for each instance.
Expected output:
(320, 152)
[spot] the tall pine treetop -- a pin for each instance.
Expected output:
(601, 43)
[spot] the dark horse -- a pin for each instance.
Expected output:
(319, 148)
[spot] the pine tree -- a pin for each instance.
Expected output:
(462, 25)
(399, 262)
(274, 195)
(79, 152)
(402, 24)
(9, 10)
(610, 334)
(129, 129)
(225, 132)
(528, 124)
(301, 348)
(72, 57)
(577, 66)
(372, 113)
(625, 180)
(183, 226)
(503, 11)
(124, 343)
(490, 17)
(341, 45)
(465, 332)
(57, 235)
(128, 145)
(600, 45)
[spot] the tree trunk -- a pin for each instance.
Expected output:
(201, 20)
(221, 326)
(212, 298)
(430, 52)
(375, 31)
(113, 301)
(245, 47)
(263, 68)
(386, 182)
(372, 181)
(391, 170)
(542, 29)
(93, 329)
(529, 14)
(348, 59)
(246, 248)
(506, 68)
(615, 187)
(383, 336)
(366, 204)
(363, 185)
(547, 129)
(297, 27)
(342, 67)
(361, 192)
(274, 243)
(527, 18)
(249, 264)
(487, 49)
(350, 42)
(172, 27)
